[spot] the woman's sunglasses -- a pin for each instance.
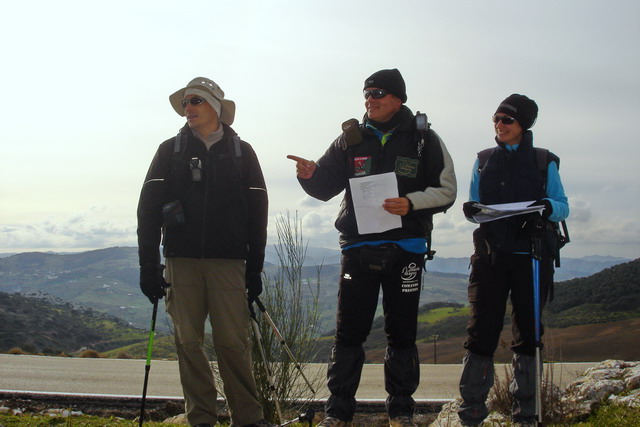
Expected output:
(505, 119)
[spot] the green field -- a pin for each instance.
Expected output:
(438, 314)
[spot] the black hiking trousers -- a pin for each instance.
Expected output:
(492, 281)
(364, 271)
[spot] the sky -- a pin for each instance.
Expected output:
(85, 87)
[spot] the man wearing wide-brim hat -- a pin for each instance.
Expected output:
(205, 198)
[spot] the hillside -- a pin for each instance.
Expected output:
(43, 324)
(610, 295)
(583, 343)
(107, 279)
(106, 282)
(582, 309)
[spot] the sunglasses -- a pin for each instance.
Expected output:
(505, 119)
(196, 100)
(375, 93)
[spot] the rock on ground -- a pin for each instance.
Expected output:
(613, 381)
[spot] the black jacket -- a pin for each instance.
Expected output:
(428, 179)
(225, 212)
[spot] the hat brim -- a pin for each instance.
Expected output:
(228, 106)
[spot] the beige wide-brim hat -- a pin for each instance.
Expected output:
(211, 92)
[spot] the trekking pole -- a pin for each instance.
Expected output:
(536, 307)
(267, 366)
(307, 417)
(536, 247)
(283, 343)
(147, 367)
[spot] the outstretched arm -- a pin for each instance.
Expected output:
(304, 168)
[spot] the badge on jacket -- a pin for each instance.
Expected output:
(362, 166)
(406, 166)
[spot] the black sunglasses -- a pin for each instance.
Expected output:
(505, 119)
(196, 100)
(375, 93)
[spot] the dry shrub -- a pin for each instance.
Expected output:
(16, 350)
(90, 354)
(554, 410)
(123, 355)
(500, 399)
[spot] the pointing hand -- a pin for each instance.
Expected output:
(304, 168)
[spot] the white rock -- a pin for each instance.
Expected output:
(178, 419)
(632, 400)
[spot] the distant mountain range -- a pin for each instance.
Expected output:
(107, 280)
(591, 318)
(569, 267)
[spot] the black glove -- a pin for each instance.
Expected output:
(254, 285)
(547, 207)
(470, 210)
(152, 282)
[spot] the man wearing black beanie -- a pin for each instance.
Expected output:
(390, 139)
(501, 265)
(390, 80)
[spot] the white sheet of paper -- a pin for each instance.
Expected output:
(368, 194)
(504, 210)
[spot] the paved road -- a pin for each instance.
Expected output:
(125, 377)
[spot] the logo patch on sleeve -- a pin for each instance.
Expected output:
(406, 166)
(361, 166)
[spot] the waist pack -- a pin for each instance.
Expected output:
(379, 258)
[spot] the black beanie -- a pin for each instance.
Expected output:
(390, 80)
(521, 108)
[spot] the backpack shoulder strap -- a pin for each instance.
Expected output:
(483, 157)
(178, 152)
(543, 158)
(235, 152)
(236, 146)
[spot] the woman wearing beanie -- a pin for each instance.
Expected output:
(501, 265)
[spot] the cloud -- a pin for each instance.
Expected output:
(580, 210)
(87, 230)
(615, 230)
(317, 223)
(310, 202)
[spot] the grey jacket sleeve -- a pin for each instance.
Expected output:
(442, 190)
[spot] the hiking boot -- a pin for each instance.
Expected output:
(332, 422)
(402, 421)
